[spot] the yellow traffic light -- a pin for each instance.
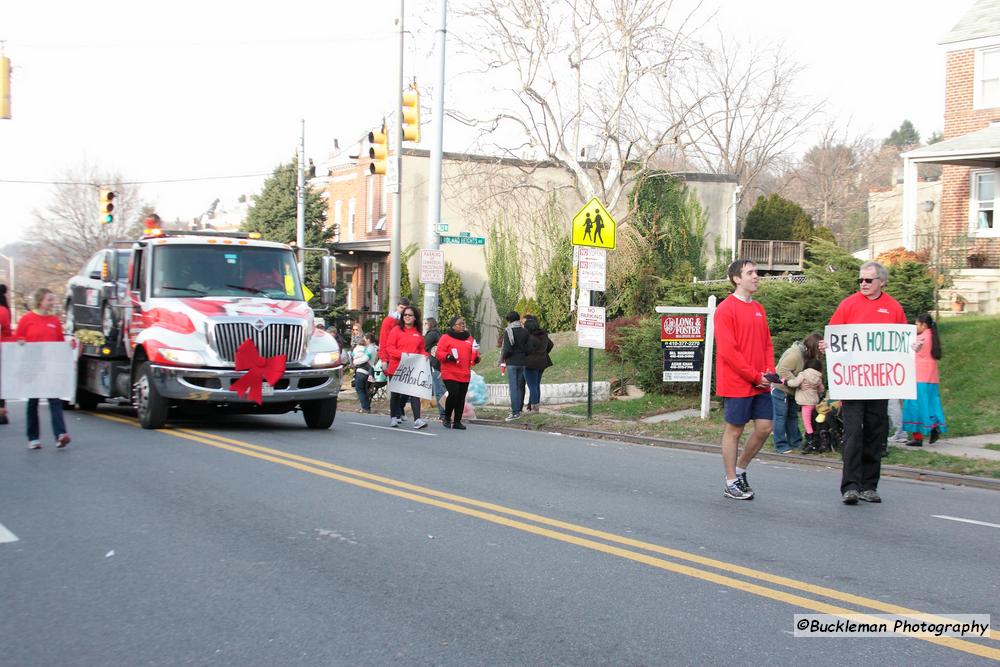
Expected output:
(106, 206)
(411, 114)
(5, 87)
(379, 150)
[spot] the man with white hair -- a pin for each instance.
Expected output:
(866, 421)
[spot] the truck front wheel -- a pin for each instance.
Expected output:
(319, 413)
(151, 407)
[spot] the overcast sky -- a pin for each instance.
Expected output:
(216, 90)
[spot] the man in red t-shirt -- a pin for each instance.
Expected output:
(744, 353)
(866, 422)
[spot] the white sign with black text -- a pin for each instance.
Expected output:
(413, 376)
(432, 266)
(593, 268)
(590, 327)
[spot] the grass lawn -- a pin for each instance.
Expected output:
(638, 408)
(968, 370)
(569, 363)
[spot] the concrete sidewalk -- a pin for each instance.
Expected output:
(973, 446)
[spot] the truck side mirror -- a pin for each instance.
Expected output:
(329, 272)
(326, 296)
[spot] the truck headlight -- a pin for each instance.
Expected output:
(325, 359)
(182, 357)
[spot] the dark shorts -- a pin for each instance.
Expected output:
(738, 411)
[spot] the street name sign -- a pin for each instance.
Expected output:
(464, 240)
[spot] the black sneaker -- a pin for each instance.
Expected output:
(741, 479)
(850, 497)
(870, 496)
(459, 426)
(736, 492)
(935, 434)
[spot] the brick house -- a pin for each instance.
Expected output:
(968, 238)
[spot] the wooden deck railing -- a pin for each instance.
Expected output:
(774, 255)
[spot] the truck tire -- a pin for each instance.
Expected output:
(150, 407)
(86, 400)
(319, 413)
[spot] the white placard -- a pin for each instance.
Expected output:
(593, 268)
(871, 361)
(37, 370)
(590, 327)
(413, 376)
(432, 266)
(391, 175)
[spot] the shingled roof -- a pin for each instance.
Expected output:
(982, 19)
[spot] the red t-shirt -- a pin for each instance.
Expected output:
(457, 370)
(4, 323)
(35, 328)
(743, 348)
(859, 309)
(402, 340)
(383, 337)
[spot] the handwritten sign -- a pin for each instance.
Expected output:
(871, 361)
(37, 370)
(413, 376)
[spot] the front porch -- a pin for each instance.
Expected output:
(979, 290)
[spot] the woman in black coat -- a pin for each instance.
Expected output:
(536, 361)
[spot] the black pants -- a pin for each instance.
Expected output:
(866, 425)
(454, 405)
(397, 402)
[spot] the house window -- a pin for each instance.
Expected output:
(352, 206)
(987, 91)
(338, 207)
(982, 203)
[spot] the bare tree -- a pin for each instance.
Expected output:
(579, 83)
(742, 114)
(68, 231)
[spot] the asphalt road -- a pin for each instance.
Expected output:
(253, 541)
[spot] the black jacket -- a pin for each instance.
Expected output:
(515, 345)
(539, 346)
(431, 339)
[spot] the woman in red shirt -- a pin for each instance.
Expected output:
(41, 326)
(4, 333)
(458, 352)
(405, 338)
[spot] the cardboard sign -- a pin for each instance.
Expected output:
(871, 361)
(413, 376)
(37, 370)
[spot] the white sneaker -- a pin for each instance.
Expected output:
(419, 424)
(512, 417)
(393, 422)
(34, 444)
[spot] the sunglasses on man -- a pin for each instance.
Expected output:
(867, 281)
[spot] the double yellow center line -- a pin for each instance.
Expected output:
(597, 540)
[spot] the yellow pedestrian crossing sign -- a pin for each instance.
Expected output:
(593, 226)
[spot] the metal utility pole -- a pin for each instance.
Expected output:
(300, 204)
(396, 131)
(437, 151)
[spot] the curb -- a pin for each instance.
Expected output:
(903, 472)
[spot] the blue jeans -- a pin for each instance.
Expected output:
(514, 375)
(361, 386)
(786, 421)
(55, 411)
(533, 379)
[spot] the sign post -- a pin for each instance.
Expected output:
(593, 236)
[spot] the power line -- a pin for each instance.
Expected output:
(167, 180)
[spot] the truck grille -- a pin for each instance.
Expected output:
(272, 340)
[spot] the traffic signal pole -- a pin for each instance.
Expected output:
(395, 245)
(300, 204)
(437, 151)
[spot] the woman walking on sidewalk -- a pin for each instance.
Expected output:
(458, 352)
(41, 326)
(925, 416)
(536, 361)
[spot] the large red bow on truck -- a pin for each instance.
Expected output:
(257, 369)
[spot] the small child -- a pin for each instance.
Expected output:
(808, 388)
(362, 371)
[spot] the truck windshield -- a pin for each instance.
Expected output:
(225, 270)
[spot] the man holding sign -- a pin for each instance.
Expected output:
(866, 420)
